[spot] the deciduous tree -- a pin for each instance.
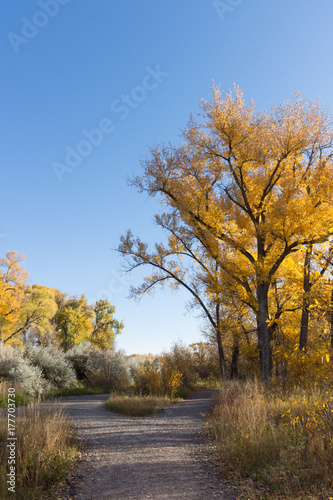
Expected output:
(106, 327)
(74, 322)
(34, 322)
(256, 184)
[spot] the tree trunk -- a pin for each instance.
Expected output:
(331, 330)
(303, 335)
(66, 336)
(234, 360)
(223, 367)
(222, 363)
(264, 334)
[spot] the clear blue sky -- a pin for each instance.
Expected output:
(135, 70)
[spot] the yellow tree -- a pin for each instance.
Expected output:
(256, 183)
(106, 327)
(34, 321)
(302, 290)
(74, 321)
(13, 279)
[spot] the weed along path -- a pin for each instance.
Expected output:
(164, 456)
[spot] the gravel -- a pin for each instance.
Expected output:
(164, 456)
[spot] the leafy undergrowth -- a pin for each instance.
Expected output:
(137, 406)
(275, 444)
(207, 384)
(45, 447)
(79, 391)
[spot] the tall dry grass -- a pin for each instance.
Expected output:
(275, 444)
(45, 448)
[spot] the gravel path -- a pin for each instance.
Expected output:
(165, 456)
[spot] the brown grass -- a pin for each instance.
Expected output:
(273, 444)
(45, 448)
(137, 406)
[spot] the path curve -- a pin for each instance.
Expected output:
(164, 456)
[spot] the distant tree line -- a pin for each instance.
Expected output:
(41, 315)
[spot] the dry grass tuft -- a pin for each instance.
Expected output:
(137, 406)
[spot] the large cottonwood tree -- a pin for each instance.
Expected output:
(257, 184)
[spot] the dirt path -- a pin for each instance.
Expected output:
(159, 457)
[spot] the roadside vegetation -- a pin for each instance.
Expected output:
(42, 372)
(275, 443)
(139, 385)
(45, 448)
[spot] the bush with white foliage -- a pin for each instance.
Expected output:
(19, 370)
(107, 367)
(56, 368)
(29, 377)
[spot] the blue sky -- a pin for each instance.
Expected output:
(134, 71)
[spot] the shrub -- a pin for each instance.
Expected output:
(147, 377)
(79, 356)
(134, 363)
(18, 370)
(310, 368)
(205, 361)
(53, 364)
(172, 378)
(106, 367)
(29, 377)
(8, 358)
(178, 361)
